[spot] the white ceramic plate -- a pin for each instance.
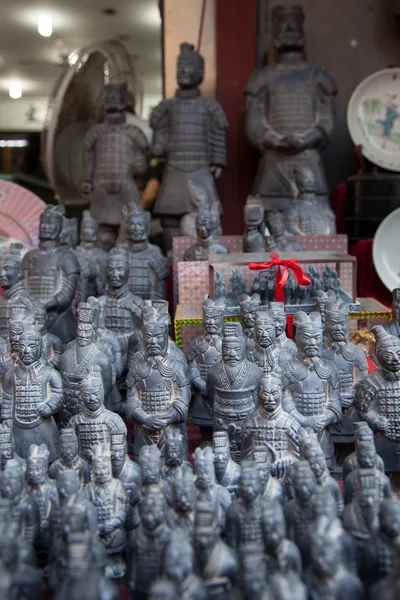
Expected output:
(373, 118)
(386, 250)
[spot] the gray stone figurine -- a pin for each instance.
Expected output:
(206, 484)
(23, 509)
(179, 568)
(69, 459)
(11, 282)
(253, 236)
(362, 433)
(183, 501)
(249, 306)
(226, 470)
(285, 345)
(206, 243)
(52, 345)
(91, 256)
(128, 472)
(366, 467)
(265, 353)
(381, 553)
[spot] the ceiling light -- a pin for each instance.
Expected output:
(15, 90)
(73, 59)
(45, 25)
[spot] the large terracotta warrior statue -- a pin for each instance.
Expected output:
(189, 131)
(52, 274)
(289, 114)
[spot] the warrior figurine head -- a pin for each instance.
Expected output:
(368, 496)
(15, 329)
(152, 509)
(387, 349)
(68, 445)
(274, 527)
(278, 313)
(115, 98)
(37, 464)
(137, 225)
(204, 468)
(7, 447)
(287, 28)
(396, 305)
(233, 344)
(363, 432)
(304, 481)
(253, 570)
(305, 180)
(308, 334)
(270, 392)
(30, 344)
(150, 465)
(117, 268)
(366, 455)
(249, 306)
(337, 324)
(221, 449)
(262, 458)
(101, 464)
(85, 333)
(390, 520)
(179, 557)
(313, 454)
(204, 225)
(264, 330)
(155, 333)
(190, 67)
(206, 529)
(173, 447)
(67, 485)
(51, 222)
(92, 390)
(89, 228)
(11, 268)
(119, 452)
(253, 214)
(249, 482)
(213, 316)
(13, 480)
(183, 490)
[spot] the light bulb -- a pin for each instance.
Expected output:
(15, 90)
(45, 25)
(73, 59)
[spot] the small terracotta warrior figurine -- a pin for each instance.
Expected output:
(52, 345)
(189, 130)
(381, 552)
(206, 484)
(283, 556)
(91, 256)
(150, 464)
(232, 386)
(378, 398)
(77, 361)
(328, 576)
(205, 352)
(252, 569)
(269, 425)
(179, 567)
(366, 466)
(70, 459)
(11, 282)
(287, 346)
(161, 309)
(148, 544)
(24, 510)
(9, 356)
(32, 395)
(159, 391)
(182, 500)
(311, 452)
(271, 488)
(52, 274)
(216, 562)
(249, 306)
(7, 448)
(265, 353)
(226, 470)
(362, 433)
(253, 236)
(311, 383)
(351, 366)
(206, 244)
(175, 452)
(299, 512)
(94, 424)
(116, 151)
(148, 267)
(128, 472)
(108, 495)
(43, 492)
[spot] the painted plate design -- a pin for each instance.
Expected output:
(19, 213)
(373, 118)
(386, 250)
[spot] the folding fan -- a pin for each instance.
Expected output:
(19, 213)
(75, 105)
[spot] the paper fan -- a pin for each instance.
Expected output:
(19, 213)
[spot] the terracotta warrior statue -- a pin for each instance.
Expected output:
(182, 501)
(52, 274)
(381, 553)
(265, 353)
(148, 267)
(116, 151)
(94, 424)
(283, 556)
(69, 459)
(175, 452)
(205, 352)
(362, 433)
(206, 483)
(226, 470)
(91, 256)
(249, 306)
(11, 282)
(24, 510)
(159, 390)
(351, 366)
(52, 345)
(285, 345)
(311, 384)
(232, 386)
(272, 489)
(206, 243)
(378, 398)
(289, 115)
(128, 472)
(179, 568)
(366, 467)
(78, 360)
(189, 131)
(32, 394)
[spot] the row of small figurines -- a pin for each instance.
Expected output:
(199, 534)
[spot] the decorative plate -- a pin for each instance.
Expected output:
(373, 118)
(19, 213)
(386, 250)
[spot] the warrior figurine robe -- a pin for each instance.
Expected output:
(378, 398)
(289, 115)
(12, 284)
(226, 470)
(206, 243)
(189, 131)
(69, 459)
(116, 151)
(158, 387)
(311, 384)
(52, 275)
(285, 345)
(32, 394)
(205, 352)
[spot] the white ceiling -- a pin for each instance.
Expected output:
(27, 56)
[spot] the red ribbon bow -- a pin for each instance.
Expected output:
(281, 278)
